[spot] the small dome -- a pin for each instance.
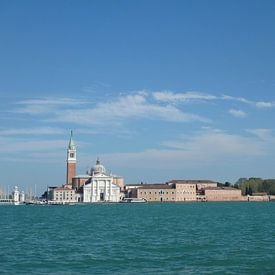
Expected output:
(97, 169)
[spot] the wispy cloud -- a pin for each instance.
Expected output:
(17, 146)
(172, 97)
(205, 147)
(263, 134)
(46, 105)
(237, 113)
(168, 96)
(258, 104)
(233, 98)
(262, 104)
(113, 112)
(31, 131)
(52, 101)
(131, 106)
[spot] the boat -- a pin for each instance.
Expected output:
(8, 202)
(133, 200)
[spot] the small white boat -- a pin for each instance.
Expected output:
(133, 200)
(6, 202)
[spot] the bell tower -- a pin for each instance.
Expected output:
(71, 161)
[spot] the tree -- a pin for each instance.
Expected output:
(255, 185)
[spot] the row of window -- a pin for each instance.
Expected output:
(61, 192)
(172, 199)
(160, 192)
(190, 186)
(162, 199)
(60, 198)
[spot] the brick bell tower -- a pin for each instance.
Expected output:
(71, 161)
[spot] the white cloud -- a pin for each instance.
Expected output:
(52, 101)
(237, 113)
(17, 146)
(204, 148)
(239, 99)
(262, 104)
(115, 112)
(264, 134)
(123, 108)
(46, 105)
(258, 104)
(31, 131)
(167, 96)
(109, 112)
(207, 150)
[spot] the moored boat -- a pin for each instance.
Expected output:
(133, 200)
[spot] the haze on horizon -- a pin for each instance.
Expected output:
(157, 89)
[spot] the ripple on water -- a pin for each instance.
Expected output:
(163, 238)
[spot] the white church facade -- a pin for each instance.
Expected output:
(100, 187)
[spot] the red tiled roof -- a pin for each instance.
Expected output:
(135, 184)
(190, 181)
(52, 187)
(155, 186)
(63, 188)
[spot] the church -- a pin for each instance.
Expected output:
(97, 185)
(100, 186)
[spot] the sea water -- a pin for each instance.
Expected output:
(156, 238)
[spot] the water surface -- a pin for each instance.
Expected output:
(157, 238)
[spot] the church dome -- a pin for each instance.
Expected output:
(97, 169)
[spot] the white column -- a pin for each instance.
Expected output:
(97, 191)
(110, 191)
(92, 192)
(105, 183)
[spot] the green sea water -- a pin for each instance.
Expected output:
(157, 238)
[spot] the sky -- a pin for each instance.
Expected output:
(158, 90)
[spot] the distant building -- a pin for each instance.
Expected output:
(173, 191)
(200, 184)
(222, 194)
(156, 192)
(258, 197)
(61, 194)
(119, 181)
(183, 191)
(79, 181)
(95, 186)
(16, 194)
(71, 161)
(22, 196)
(100, 186)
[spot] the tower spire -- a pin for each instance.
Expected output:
(71, 160)
(71, 143)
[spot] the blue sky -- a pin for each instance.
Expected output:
(157, 89)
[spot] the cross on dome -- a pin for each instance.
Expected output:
(98, 168)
